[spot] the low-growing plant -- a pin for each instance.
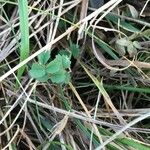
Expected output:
(57, 70)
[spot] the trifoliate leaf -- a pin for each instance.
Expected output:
(54, 66)
(59, 77)
(37, 71)
(43, 78)
(66, 61)
(44, 57)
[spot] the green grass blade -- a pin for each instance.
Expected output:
(126, 141)
(127, 88)
(24, 29)
(67, 146)
(132, 143)
(123, 24)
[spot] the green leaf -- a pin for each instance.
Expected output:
(131, 50)
(37, 71)
(123, 42)
(123, 24)
(58, 58)
(66, 61)
(96, 3)
(67, 79)
(24, 31)
(74, 49)
(46, 123)
(133, 11)
(54, 66)
(65, 52)
(44, 57)
(137, 45)
(43, 78)
(120, 49)
(59, 77)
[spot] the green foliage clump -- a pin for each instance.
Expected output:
(56, 70)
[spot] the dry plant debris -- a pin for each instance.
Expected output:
(75, 75)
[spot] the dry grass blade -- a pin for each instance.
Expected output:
(86, 110)
(83, 14)
(142, 117)
(69, 30)
(86, 83)
(59, 127)
(105, 95)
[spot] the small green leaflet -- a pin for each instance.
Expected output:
(66, 61)
(74, 49)
(37, 71)
(44, 57)
(65, 52)
(43, 78)
(58, 77)
(54, 66)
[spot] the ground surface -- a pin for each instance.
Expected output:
(85, 80)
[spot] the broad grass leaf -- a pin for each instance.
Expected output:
(44, 57)
(125, 25)
(24, 31)
(37, 71)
